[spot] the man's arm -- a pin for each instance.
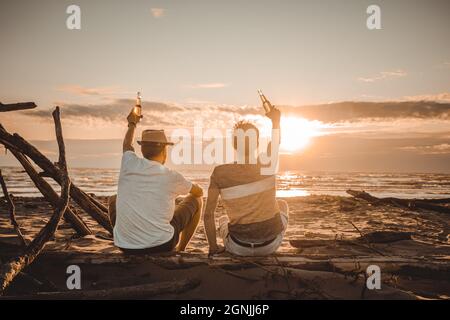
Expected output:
(209, 220)
(133, 120)
(275, 116)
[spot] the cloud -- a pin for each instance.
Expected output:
(440, 97)
(443, 148)
(241, 110)
(167, 114)
(383, 76)
(158, 12)
(360, 116)
(215, 85)
(114, 111)
(84, 91)
(362, 111)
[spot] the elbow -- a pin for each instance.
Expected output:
(196, 191)
(127, 147)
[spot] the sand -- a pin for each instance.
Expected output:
(334, 268)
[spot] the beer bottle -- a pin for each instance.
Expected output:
(138, 108)
(266, 103)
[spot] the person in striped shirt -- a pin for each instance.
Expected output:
(255, 221)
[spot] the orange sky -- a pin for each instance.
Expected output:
(205, 60)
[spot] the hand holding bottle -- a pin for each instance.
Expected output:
(271, 112)
(136, 113)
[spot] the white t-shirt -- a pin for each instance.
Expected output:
(146, 202)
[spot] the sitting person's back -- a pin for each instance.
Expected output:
(249, 201)
(144, 214)
(145, 202)
(255, 221)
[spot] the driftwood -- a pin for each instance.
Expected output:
(35, 283)
(12, 211)
(193, 260)
(406, 203)
(439, 200)
(386, 236)
(371, 237)
(51, 196)
(17, 106)
(16, 142)
(138, 291)
(100, 205)
(10, 269)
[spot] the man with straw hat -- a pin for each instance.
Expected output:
(144, 214)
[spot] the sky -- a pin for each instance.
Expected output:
(369, 96)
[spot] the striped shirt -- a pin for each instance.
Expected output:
(249, 201)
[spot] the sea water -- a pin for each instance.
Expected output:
(289, 183)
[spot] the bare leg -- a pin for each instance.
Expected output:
(112, 209)
(189, 231)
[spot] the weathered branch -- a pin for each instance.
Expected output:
(19, 144)
(17, 106)
(51, 196)
(10, 269)
(370, 237)
(100, 205)
(407, 203)
(138, 291)
(12, 210)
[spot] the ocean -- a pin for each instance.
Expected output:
(289, 183)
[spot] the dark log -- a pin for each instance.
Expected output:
(437, 200)
(19, 144)
(308, 243)
(10, 269)
(34, 283)
(386, 236)
(51, 196)
(12, 210)
(406, 203)
(371, 237)
(17, 106)
(139, 291)
(99, 205)
(335, 263)
(330, 243)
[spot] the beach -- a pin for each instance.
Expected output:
(322, 256)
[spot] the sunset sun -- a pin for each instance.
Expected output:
(296, 133)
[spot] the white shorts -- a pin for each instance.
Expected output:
(239, 250)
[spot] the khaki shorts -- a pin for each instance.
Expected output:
(239, 250)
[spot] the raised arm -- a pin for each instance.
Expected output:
(275, 116)
(209, 220)
(133, 120)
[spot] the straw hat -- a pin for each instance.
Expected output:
(154, 136)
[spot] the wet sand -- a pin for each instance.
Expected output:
(329, 265)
